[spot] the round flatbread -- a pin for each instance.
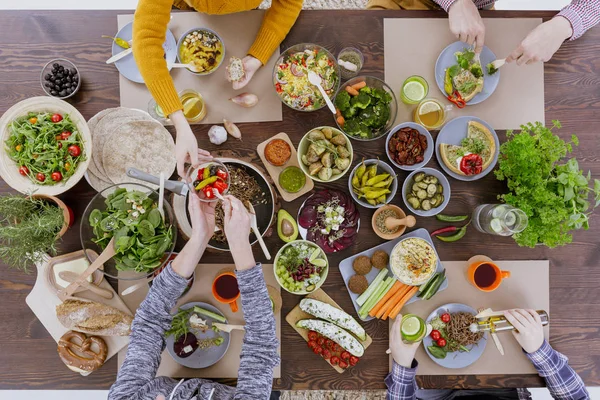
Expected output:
(92, 124)
(95, 182)
(145, 145)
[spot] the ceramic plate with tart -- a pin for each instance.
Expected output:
(300, 267)
(288, 177)
(325, 154)
(467, 148)
(329, 331)
(458, 70)
(192, 340)
(451, 344)
(377, 259)
(48, 146)
(203, 48)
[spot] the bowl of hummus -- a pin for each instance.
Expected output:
(413, 261)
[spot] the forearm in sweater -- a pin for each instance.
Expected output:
(149, 33)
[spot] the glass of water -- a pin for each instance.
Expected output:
(499, 219)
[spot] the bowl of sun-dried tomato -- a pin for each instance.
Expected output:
(409, 146)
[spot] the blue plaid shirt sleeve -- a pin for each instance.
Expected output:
(401, 382)
(562, 381)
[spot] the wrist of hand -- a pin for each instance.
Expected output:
(563, 26)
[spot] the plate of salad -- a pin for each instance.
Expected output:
(192, 340)
(290, 76)
(450, 343)
(300, 267)
(461, 76)
(47, 143)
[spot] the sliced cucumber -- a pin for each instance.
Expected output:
(210, 314)
(510, 219)
(496, 225)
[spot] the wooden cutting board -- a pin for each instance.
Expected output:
(275, 171)
(297, 314)
(43, 301)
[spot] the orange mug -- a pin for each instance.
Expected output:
(225, 289)
(486, 276)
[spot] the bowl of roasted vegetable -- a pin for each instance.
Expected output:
(325, 154)
(366, 108)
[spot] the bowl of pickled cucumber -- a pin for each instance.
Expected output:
(426, 192)
(373, 183)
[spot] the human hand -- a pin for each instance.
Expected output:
(528, 323)
(236, 221)
(202, 216)
(466, 23)
(542, 42)
(186, 145)
(402, 353)
(160, 397)
(251, 65)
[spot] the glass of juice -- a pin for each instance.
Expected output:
(431, 113)
(194, 108)
(499, 219)
(414, 89)
(412, 328)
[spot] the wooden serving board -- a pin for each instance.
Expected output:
(275, 171)
(297, 314)
(43, 300)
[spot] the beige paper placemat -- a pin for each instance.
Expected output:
(519, 97)
(238, 32)
(228, 366)
(527, 287)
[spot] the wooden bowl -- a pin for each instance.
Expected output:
(9, 170)
(401, 214)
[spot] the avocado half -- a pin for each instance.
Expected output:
(287, 229)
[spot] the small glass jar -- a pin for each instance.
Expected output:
(194, 107)
(352, 55)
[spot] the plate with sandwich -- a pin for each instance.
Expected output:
(467, 148)
(459, 73)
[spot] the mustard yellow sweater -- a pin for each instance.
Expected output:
(149, 32)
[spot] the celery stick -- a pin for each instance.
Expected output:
(373, 300)
(372, 287)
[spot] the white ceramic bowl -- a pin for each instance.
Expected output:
(303, 148)
(383, 167)
(428, 152)
(323, 274)
(442, 180)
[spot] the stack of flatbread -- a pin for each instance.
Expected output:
(124, 138)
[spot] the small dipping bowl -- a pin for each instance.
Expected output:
(400, 214)
(300, 179)
(192, 175)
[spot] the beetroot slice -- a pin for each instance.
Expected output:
(182, 342)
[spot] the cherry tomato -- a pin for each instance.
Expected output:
(345, 355)
(65, 135)
(32, 120)
(441, 342)
(56, 118)
(343, 364)
(326, 354)
(220, 186)
(57, 137)
(337, 348)
(208, 192)
(19, 147)
(201, 174)
(312, 344)
(67, 166)
(56, 176)
(330, 344)
(321, 341)
(435, 335)
(445, 318)
(318, 350)
(40, 177)
(335, 360)
(312, 335)
(23, 170)
(353, 360)
(222, 174)
(74, 150)
(471, 164)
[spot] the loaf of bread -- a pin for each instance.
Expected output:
(93, 318)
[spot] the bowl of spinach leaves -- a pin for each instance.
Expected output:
(144, 239)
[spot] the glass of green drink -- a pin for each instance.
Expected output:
(413, 328)
(414, 89)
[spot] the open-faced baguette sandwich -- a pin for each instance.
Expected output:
(475, 153)
(93, 318)
(236, 71)
(465, 77)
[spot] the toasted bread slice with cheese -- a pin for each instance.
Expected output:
(475, 131)
(235, 70)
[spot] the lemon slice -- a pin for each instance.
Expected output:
(187, 107)
(316, 253)
(319, 262)
(411, 326)
(429, 107)
(414, 91)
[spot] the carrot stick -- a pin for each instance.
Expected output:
(351, 90)
(395, 287)
(413, 290)
(341, 121)
(338, 113)
(387, 308)
(359, 85)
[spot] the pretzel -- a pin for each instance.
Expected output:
(75, 350)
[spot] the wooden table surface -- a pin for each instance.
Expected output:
(28, 39)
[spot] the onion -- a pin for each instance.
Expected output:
(232, 129)
(296, 71)
(280, 81)
(245, 100)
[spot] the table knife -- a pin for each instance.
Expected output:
(178, 187)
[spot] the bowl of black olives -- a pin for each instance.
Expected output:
(60, 78)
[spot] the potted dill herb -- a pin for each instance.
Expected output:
(31, 226)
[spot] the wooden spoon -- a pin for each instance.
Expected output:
(392, 223)
(106, 255)
(71, 277)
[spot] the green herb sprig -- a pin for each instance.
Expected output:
(179, 324)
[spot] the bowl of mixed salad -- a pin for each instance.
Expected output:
(47, 144)
(290, 76)
(366, 108)
(301, 267)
